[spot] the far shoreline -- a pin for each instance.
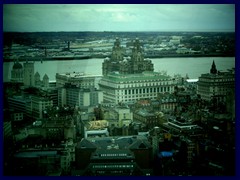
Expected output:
(62, 58)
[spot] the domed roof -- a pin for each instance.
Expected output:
(17, 65)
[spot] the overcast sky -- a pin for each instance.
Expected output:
(122, 17)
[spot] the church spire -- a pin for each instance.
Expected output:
(213, 69)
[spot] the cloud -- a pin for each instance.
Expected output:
(117, 17)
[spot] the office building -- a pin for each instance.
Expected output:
(132, 87)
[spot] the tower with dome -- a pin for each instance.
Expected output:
(127, 65)
(17, 72)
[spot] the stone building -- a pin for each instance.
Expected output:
(17, 72)
(216, 84)
(126, 65)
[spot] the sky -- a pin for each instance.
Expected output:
(118, 17)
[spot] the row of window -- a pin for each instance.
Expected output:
(110, 155)
(132, 85)
(147, 90)
(114, 166)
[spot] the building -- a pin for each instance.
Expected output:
(52, 93)
(165, 102)
(7, 131)
(38, 105)
(37, 80)
(40, 157)
(181, 126)
(150, 119)
(130, 79)
(59, 129)
(114, 156)
(54, 130)
(71, 95)
(97, 128)
(31, 106)
(45, 81)
(21, 107)
(18, 103)
(191, 83)
(216, 84)
(130, 65)
(117, 115)
(17, 116)
(28, 78)
(76, 78)
(132, 87)
(17, 72)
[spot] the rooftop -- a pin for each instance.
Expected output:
(123, 142)
(192, 80)
(77, 75)
(145, 113)
(115, 76)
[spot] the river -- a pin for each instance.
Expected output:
(193, 66)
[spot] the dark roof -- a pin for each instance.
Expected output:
(45, 76)
(140, 144)
(17, 65)
(122, 142)
(84, 143)
(37, 74)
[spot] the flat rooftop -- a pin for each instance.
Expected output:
(136, 77)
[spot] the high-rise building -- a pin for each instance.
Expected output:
(216, 84)
(28, 79)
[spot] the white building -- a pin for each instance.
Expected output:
(132, 87)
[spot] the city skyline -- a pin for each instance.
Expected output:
(118, 17)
